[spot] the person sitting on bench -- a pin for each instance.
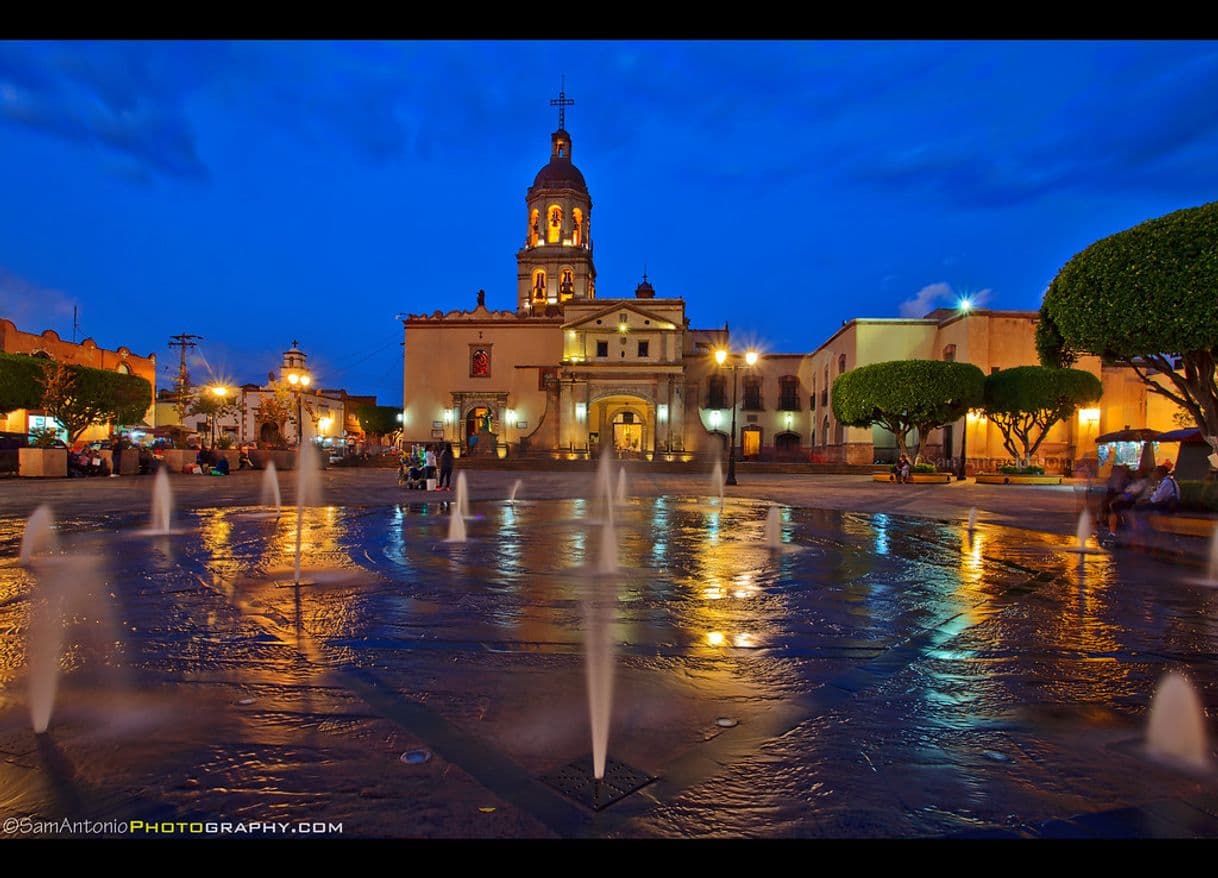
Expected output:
(1166, 495)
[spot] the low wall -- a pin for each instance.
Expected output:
(129, 461)
(916, 478)
(284, 460)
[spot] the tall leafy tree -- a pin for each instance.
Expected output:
(1025, 402)
(80, 397)
(211, 406)
(20, 382)
(1146, 298)
(907, 395)
(378, 420)
(278, 408)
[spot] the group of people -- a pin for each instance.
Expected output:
(902, 469)
(210, 462)
(1144, 490)
(87, 460)
(425, 464)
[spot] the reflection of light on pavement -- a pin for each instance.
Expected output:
(743, 640)
(713, 593)
(741, 593)
(715, 638)
(880, 523)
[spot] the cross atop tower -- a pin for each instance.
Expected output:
(562, 102)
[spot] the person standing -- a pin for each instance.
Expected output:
(429, 463)
(446, 467)
(116, 456)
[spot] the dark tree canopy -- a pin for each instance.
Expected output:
(1025, 402)
(378, 420)
(20, 382)
(905, 395)
(1146, 297)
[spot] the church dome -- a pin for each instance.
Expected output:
(645, 290)
(560, 174)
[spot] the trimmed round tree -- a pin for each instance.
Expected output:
(1025, 402)
(1146, 298)
(906, 395)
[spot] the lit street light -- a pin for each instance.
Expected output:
(220, 392)
(721, 358)
(299, 381)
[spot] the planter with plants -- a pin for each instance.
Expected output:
(920, 474)
(45, 458)
(1018, 475)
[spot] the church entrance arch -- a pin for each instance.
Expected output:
(626, 422)
(627, 433)
(476, 418)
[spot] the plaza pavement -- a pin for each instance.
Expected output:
(1045, 508)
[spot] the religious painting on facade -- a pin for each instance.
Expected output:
(480, 362)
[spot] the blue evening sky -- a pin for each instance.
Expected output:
(257, 192)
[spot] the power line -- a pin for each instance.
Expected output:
(185, 341)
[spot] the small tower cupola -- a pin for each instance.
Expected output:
(645, 290)
(294, 361)
(560, 146)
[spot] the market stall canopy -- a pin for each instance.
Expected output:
(1188, 434)
(1142, 434)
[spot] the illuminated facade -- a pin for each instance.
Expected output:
(327, 414)
(990, 340)
(48, 344)
(565, 372)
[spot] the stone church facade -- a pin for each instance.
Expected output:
(566, 372)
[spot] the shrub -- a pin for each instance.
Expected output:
(1199, 496)
(44, 437)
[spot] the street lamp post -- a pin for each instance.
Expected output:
(963, 474)
(220, 392)
(721, 358)
(299, 382)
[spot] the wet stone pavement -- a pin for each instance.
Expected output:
(888, 675)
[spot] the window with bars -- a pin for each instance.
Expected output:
(788, 393)
(752, 394)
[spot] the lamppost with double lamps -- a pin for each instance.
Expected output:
(721, 358)
(299, 381)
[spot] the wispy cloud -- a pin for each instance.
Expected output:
(931, 296)
(34, 307)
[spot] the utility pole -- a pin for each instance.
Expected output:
(185, 341)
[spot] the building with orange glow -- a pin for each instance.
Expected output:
(48, 344)
(567, 372)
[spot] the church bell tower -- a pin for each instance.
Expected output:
(555, 265)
